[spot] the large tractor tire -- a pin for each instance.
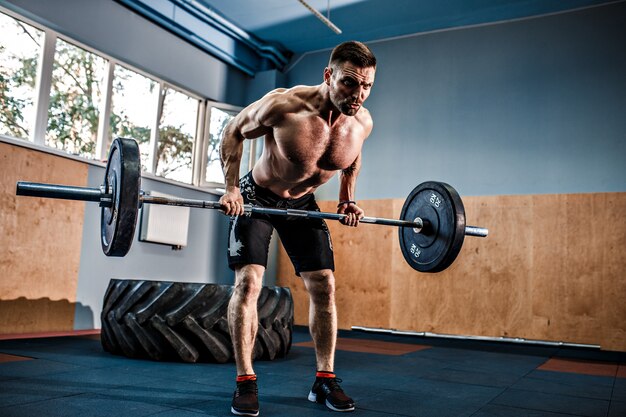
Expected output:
(177, 321)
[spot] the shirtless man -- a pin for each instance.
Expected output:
(311, 132)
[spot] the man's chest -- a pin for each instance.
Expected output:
(311, 142)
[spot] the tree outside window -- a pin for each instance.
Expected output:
(161, 118)
(20, 48)
(133, 110)
(74, 110)
(177, 132)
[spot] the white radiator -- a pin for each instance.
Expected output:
(168, 225)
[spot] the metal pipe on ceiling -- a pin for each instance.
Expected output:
(321, 17)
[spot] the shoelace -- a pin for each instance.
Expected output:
(333, 384)
(248, 387)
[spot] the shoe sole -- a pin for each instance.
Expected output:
(244, 413)
(313, 398)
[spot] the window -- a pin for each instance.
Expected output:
(133, 110)
(75, 96)
(62, 94)
(218, 118)
(20, 49)
(177, 132)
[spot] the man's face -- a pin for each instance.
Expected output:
(349, 86)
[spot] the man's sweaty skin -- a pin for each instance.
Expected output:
(310, 132)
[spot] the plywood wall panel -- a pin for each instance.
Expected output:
(566, 292)
(362, 285)
(551, 269)
(40, 240)
(611, 244)
(43, 315)
(448, 301)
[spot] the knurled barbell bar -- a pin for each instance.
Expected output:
(432, 221)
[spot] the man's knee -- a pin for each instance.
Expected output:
(320, 285)
(248, 282)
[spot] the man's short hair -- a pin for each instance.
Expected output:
(355, 52)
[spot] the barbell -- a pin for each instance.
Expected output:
(431, 225)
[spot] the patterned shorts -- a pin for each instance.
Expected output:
(307, 241)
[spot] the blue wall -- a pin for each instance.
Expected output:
(527, 107)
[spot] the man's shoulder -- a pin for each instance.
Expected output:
(289, 100)
(365, 119)
(297, 93)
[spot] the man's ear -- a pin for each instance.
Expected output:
(328, 71)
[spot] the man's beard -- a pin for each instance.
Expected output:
(346, 108)
(345, 105)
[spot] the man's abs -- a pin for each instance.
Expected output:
(289, 181)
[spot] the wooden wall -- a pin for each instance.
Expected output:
(40, 243)
(553, 268)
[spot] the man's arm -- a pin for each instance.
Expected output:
(348, 176)
(347, 187)
(252, 122)
(347, 180)
(231, 149)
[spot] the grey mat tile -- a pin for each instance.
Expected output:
(503, 411)
(553, 402)
(619, 390)
(34, 368)
(93, 405)
(581, 386)
(498, 379)
(617, 409)
(24, 391)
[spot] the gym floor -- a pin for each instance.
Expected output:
(387, 375)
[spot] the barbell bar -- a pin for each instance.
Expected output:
(67, 192)
(432, 224)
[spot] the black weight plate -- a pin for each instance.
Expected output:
(122, 179)
(439, 243)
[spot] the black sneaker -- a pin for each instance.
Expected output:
(246, 399)
(327, 391)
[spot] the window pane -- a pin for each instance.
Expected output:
(77, 77)
(219, 119)
(177, 132)
(217, 123)
(133, 110)
(20, 47)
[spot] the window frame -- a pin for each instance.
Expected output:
(43, 85)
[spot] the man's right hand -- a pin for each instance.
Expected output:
(232, 202)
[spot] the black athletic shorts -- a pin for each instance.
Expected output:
(307, 241)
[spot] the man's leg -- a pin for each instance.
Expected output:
(322, 316)
(243, 319)
(243, 323)
(323, 327)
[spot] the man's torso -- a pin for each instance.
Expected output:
(303, 151)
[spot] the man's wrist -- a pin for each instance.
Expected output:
(230, 188)
(346, 203)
